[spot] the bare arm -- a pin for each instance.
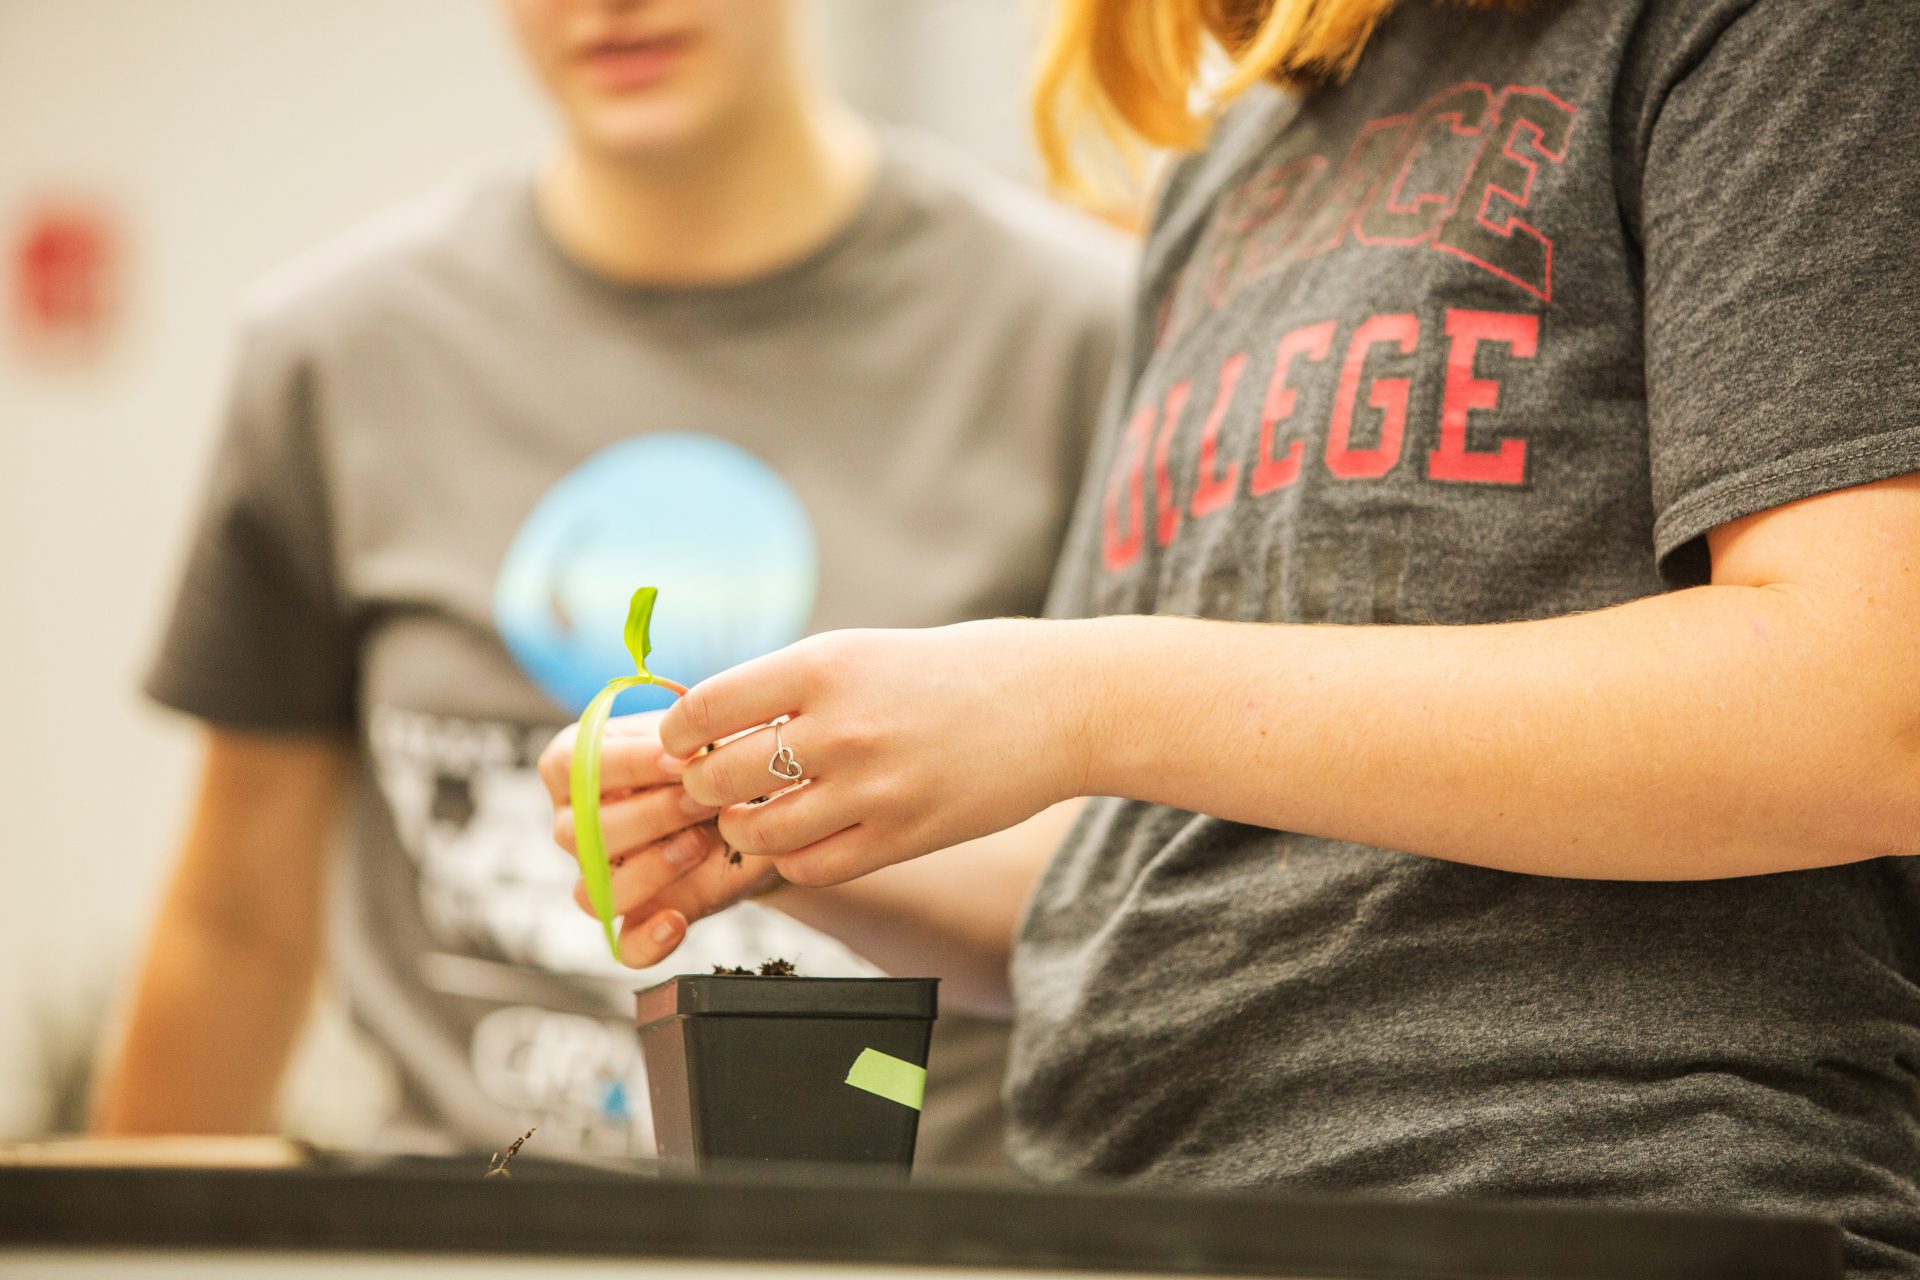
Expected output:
(229, 971)
(1769, 721)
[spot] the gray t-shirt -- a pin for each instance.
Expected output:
(1497, 330)
(452, 454)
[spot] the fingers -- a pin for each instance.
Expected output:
(742, 770)
(840, 857)
(653, 940)
(557, 761)
(633, 821)
(736, 700)
(802, 817)
(629, 756)
(645, 873)
(655, 928)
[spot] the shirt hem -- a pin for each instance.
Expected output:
(1772, 484)
(203, 702)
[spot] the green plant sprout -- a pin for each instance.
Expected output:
(584, 777)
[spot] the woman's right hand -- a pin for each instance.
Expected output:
(670, 866)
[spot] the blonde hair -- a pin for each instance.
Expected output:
(1131, 69)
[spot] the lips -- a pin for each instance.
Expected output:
(628, 64)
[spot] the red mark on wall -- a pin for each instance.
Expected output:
(65, 268)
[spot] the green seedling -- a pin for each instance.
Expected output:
(584, 776)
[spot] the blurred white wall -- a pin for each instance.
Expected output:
(956, 67)
(226, 135)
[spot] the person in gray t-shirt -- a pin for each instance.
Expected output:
(729, 343)
(1519, 794)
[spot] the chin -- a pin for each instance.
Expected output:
(645, 130)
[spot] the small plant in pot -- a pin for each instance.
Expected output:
(767, 1067)
(786, 1069)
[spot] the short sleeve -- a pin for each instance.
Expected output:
(257, 638)
(1779, 206)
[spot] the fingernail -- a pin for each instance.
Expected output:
(694, 809)
(672, 766)
(665, 931)
(684, 849)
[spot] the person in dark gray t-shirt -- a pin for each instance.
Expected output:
(1517, 794)
(728, 342)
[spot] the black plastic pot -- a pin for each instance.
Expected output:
(786, 1070)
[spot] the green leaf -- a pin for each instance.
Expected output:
(583, 779)
(639, 618)
(583, 793)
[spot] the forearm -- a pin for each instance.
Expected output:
(228, 975)
(951, 914)
(207, 1038)
(1718, 731)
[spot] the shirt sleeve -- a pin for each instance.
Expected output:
(258, 638)
(1778, 208)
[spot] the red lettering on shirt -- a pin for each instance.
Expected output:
(1289, 188)
(1395, 187)
(1379, 346)
(1496, 238)
(1465, 394)
(1390, 216)
(1214, 489)
(1372, 154)
(1389, 396)
(1120, 548)
(1168, 524)
(1313, 343)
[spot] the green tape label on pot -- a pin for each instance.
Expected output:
(894, 1079)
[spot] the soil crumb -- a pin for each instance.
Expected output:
(775, 968)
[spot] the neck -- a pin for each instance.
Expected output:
(762, 195)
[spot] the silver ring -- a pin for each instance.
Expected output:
(784, 765)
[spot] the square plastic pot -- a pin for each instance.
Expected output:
(744, 1071)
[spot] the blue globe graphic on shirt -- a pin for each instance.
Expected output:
(717, 530)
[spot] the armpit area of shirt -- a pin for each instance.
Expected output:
(1679, 532)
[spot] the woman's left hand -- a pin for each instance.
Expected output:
(907, 741)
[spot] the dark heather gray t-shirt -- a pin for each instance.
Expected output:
(1497, 330)
(451, 456)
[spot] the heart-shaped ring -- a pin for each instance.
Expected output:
(784, 765)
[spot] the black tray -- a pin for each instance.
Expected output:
(841, 1218)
